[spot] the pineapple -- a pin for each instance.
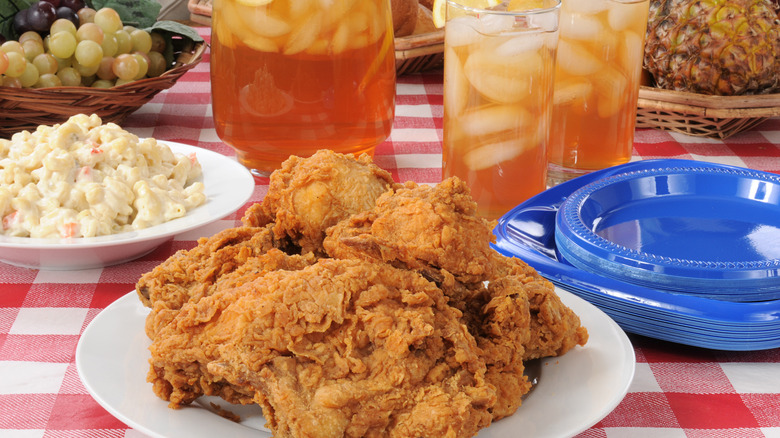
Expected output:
(717, 47)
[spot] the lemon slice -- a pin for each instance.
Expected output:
(254, 2)
(439, 10)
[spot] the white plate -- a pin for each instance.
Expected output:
(228, 186)
(574, 392)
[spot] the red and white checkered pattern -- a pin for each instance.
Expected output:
(678, 391)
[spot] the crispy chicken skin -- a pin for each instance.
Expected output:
(435, 231)
(306, 196)
(339, 348)
(348, 305)
(424, 228)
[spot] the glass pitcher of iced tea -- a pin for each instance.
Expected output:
(290, 77)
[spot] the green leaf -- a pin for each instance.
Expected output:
(175, 28)
(138, 13)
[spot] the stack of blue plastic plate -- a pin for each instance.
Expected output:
(678, 250)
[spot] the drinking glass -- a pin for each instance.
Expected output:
(597, 77)
(290, 77)
(498, 88)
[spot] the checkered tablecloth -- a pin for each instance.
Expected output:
(678, 391)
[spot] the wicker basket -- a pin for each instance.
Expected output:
(414, 53)
(702, 115)
(26, 109)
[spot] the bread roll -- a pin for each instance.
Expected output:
(404, 16)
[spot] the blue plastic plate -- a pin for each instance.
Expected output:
(528, 232)
(690, 227)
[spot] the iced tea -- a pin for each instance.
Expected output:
(596, 85)
(290, 77)
(498, 77)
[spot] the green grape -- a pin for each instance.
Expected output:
(156, 64)
(90, 32)
(88, 53)
(32, 48)
(121, 81)
(142, 41)
(63, 62)
(108, 20)
(16, 64)
(29, 76)
(12, 46)
(106, 69)
(143, 65)
(3, 62)
(46, 43)
(123, 42)
(86, 15)
(10, 82)
(158, 42)
(62, 44)
(48, 80)
(62, 24)
(102, 83)
(129, 29)
(85, 71)
(30, 35)
(69, 77)
(46, 63)
(109, 45)
(126, 66)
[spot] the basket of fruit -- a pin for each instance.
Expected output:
(714, 73)
(62, 57)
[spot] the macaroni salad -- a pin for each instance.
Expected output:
(83, 178)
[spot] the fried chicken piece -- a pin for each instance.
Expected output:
(436, 231)
(221, 261)
(427, 229)
(306, 196)
(555, 328)
(340, 348)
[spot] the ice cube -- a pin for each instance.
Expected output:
(494, 119)
(611, 87)
(632, 51)
(462, 31)
(524, 44)
(456, 86)
(503, 79)
(547, 22)
(628, 16)
(493, 24)
(492, 154)
(304, 35)
(570, 90)
(580, 27)
(585, 6)
(574, 59)
(261, 22)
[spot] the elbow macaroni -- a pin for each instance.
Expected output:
(84, 179)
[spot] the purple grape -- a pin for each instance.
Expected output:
(21, 23)
(55, 3)
(41, 15)
(68, 14)
(73, 4)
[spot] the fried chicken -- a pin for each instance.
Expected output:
(435, 230)
(306, 196)
(349, 305)
(340, 348)
(227, 259)
(424, 228)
